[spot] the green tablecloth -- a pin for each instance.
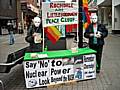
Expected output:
(59, 54)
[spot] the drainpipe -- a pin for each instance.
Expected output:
(22, 20)
(113, 15)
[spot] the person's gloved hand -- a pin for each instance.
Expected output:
(35, 34)
(37, 37)
(98, 34)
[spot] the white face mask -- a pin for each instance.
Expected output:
(94, 19)
(37, 21)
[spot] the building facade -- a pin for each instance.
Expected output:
(109, 14)
(7, 12)
(105, 12)
(21, 12)
(29, 10)
(116, 16)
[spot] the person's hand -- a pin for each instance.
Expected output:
(91, 35)
(38, 39)
(35, 34)
(98, 34)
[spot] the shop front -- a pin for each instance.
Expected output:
(3, 24)
(7, 12)
(29, 11)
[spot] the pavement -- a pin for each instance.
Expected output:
(6, 49)
(107, 79)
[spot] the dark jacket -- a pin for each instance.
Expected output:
(30, 39)
(101, 28)
(10, 28)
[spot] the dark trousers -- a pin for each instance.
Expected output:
(99, 49)
(34, 48)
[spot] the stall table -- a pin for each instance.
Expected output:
(57, 67)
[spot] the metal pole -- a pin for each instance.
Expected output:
(80, 24)
(17, 16)
(22, 21)
(43, 47)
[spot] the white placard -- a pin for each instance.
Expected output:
(89, 66)
(36, 73)
(46, 72)
(59, 13)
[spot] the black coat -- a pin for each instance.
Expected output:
(10, 28)
(101, 28)
(30, 39)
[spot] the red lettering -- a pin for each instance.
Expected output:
(61, 5)
(51, 5)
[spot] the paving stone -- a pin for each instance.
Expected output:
(108, 79)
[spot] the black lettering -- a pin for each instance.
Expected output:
(44, 82)
(55, 72)
(53, 63)
(43, 63)
(31, 74)
(64, 78)
(27, 64)
(71, 77)
(58, 63)
(56, 79)
(64, 71)
(42, 73)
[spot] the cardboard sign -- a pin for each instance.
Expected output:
(37, 38)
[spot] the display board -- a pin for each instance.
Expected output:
(59, 13)
(55, 17)
(45, 72)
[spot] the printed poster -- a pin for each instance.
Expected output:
(46, 72)
(89, 66)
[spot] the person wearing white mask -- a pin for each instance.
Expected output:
(96, 33)
(34, 36)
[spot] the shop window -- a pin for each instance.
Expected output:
(10, 4)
